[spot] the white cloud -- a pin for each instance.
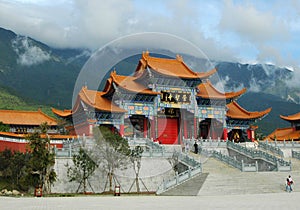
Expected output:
(224, 30)
(251, 24)
(29, 54)
(254, 86)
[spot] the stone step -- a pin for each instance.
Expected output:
(223, 180)
(190, 187)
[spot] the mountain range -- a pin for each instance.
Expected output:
(32, 71)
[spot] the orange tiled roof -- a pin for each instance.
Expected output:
(293, 117)
(235, 111)
(128, 83)
(281, 134)
(94, 99)
(16, 117)
(51, 136)
(208, 91)
(169, 67)
(62, 113)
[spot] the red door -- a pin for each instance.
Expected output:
(167, 130)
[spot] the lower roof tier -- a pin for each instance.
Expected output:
(281, 134)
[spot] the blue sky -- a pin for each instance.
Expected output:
(245, 31)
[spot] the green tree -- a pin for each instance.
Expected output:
(40, 170)
(44, 127)
(12, 168)
(4, 127)
(84, 167)
(5, 160)
(111, 152)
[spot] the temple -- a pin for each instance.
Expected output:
(287, 134)
(166, 101)
(16, 125)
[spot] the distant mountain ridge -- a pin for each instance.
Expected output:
(47, 76)
(37, 71)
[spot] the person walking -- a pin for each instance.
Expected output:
(289, 183)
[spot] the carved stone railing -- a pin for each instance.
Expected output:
(179, 179)
(271, 148)
(194, 168)
(296, 154)
(280, 163)
(231, 161)
(284, 143)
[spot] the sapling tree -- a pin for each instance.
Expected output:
(136, 159)
(83, 168)
(111, 152)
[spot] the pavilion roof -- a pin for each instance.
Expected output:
(128, 83)
(62, 113)
(169, 67)
(96, 100)
(17, 117)
(208, 91)
(281, 134)
(235, 111)
(294, 117)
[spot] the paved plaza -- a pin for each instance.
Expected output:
(246, 201)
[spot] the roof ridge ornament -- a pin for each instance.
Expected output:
(145, 53)
(179, 58)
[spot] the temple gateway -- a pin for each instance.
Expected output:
(166, 101)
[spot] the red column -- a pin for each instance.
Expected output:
(122, 130)
(185, 128)
(225, 134)
(153, 128)
(251, 134)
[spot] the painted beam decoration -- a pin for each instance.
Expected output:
(211, 112)
(139, 109)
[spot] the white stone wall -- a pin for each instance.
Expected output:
(153, 172)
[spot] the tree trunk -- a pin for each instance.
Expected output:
(110, 176)
(84, 181)
(137, 183)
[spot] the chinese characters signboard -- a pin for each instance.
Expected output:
(175, 97)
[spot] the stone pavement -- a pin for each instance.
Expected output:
(265, 201)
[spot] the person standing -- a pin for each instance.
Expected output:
(291, 182)
(196, 148)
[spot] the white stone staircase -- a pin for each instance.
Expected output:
(223, 179)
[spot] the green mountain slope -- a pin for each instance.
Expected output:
(261, 101)
(9, 100)
(36, 71)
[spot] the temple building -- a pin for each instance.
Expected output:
(287, 134)
(16, 125)
(166, 101)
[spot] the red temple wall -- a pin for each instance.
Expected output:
(21, 146)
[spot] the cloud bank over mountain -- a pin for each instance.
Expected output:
(29, 54)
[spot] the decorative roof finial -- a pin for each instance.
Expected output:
(179, 58)
(146, 53)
